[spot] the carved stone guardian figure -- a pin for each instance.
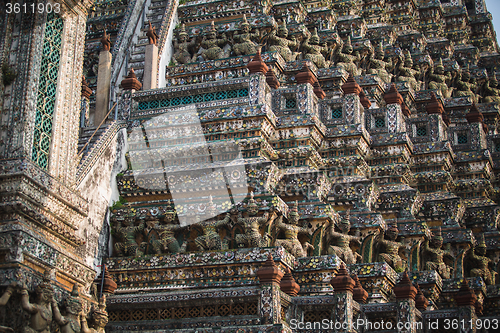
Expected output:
(482, 266)
(211, 240)
(251, 224)
(389, 249)
(167, 243)
(314, 51)
(3, 301)
(212, 45)
(244, 41)
(41, 311)
(464, 86)
(407, 73)
(99, 318)
(345, 59)
(342, 240)
(278, 41)
(70, 323)
(183, 47)
(491, 91)
(438, 79)
(434, 256)
(377, 65)
(126, 232)
(292, 230)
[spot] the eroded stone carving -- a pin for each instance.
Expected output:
(278, 41)
(292, 230)
(342, 241)
(211, 240)
(41, 311)
(251, 224)
(244, 41)
(438, 79)
(99, 318)
(184, 49)
(482, 266)
(3, 301)
(389, 249)
(407, 73)
(70, 322)
(126, 233)
(434, 256)
(491, 91)
(345, 59)
(377, 65)
(315, 52)
(212, 44)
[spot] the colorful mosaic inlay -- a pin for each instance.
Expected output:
(47, 87)
(185, 100)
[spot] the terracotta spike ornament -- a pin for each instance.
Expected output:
(434, 106)
(109, 286)
(269, 272)
(474, 115)
(359, 294)
(305, 75)
(364, 100)
(420, 301)
(130, 82)
(105, 42)
(465, 296)
(271, 79)
(151, 34)
(351, 87)
(405, 289)
(86, 91)
(318, 91)
(342, 282)
(288, 284)
(393, 96)
(257, 65)
(406, 111)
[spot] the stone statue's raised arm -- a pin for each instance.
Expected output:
(6, 295)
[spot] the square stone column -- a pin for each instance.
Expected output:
(150, 67)
(342, 314)
(270, 299)
(103, 87)
(466, 301)
(405, 297)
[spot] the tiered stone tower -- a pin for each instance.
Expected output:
(374, 122)
(50, 213)
(301, 161)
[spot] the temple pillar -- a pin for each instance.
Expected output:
(85, 103)
(395, 121)
(270, 300)
(466, 301)
(406, 309)
(150, 67)
(478, 130)
(103, 82)
(342, 313)
(352, 107)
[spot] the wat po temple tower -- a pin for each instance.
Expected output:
(249, 166)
